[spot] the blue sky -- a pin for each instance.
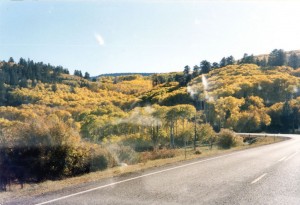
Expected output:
(144, 36)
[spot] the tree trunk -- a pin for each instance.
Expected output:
(171, 136)
(195, 133)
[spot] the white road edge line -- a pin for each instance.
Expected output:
(138, 177)
(291, 156)
(282, 159)
(259, 178)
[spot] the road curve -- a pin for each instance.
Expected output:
(264, 175)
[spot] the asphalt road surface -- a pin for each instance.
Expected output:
(264, 175)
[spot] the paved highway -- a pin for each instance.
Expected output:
(264, 175)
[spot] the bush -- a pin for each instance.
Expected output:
(157, 154)
(249, 140)
(47, 149)
(98, 163)
(197, 152)
(206, 134)
(226, 139)
(123, 153)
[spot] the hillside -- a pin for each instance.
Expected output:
(245, 97)
(95, 125)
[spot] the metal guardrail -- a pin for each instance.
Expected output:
(256, 135)
(248, 135)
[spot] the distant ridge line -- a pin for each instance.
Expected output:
(122, 74)
(288, 53)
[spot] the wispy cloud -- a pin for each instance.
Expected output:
(99, 39)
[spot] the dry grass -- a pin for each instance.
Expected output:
(179, 155)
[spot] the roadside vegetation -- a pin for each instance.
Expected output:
(54, 125)
(148, 160)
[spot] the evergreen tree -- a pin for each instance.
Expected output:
(196, 71)
(23, 62)
(277, 58)
(186, 70)
(13, 76)
(18, 74)
(78, 73)
(2, 90)
(223, 62)
(11, 60)
(230, 60)
(293, 60)
(66, 71)
(186, 75)
(248, 59)
(86, 75)
(215, 65)
(205, 66)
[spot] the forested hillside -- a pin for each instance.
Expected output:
(248, 98)
(65, 125)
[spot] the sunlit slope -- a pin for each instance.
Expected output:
(167, 94)
(273, 84)
(130, 85)
(248, 98)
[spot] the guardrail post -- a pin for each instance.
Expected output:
(184, 148)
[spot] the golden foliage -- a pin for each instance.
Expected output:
(272, 85)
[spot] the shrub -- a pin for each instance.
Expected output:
(137, 142)
(226, 139)
(197, 152)
(98, 162)
(186, 135)
(157, 154)
(206, 134)
(47, 149)
(249, 140)
(123, 153)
